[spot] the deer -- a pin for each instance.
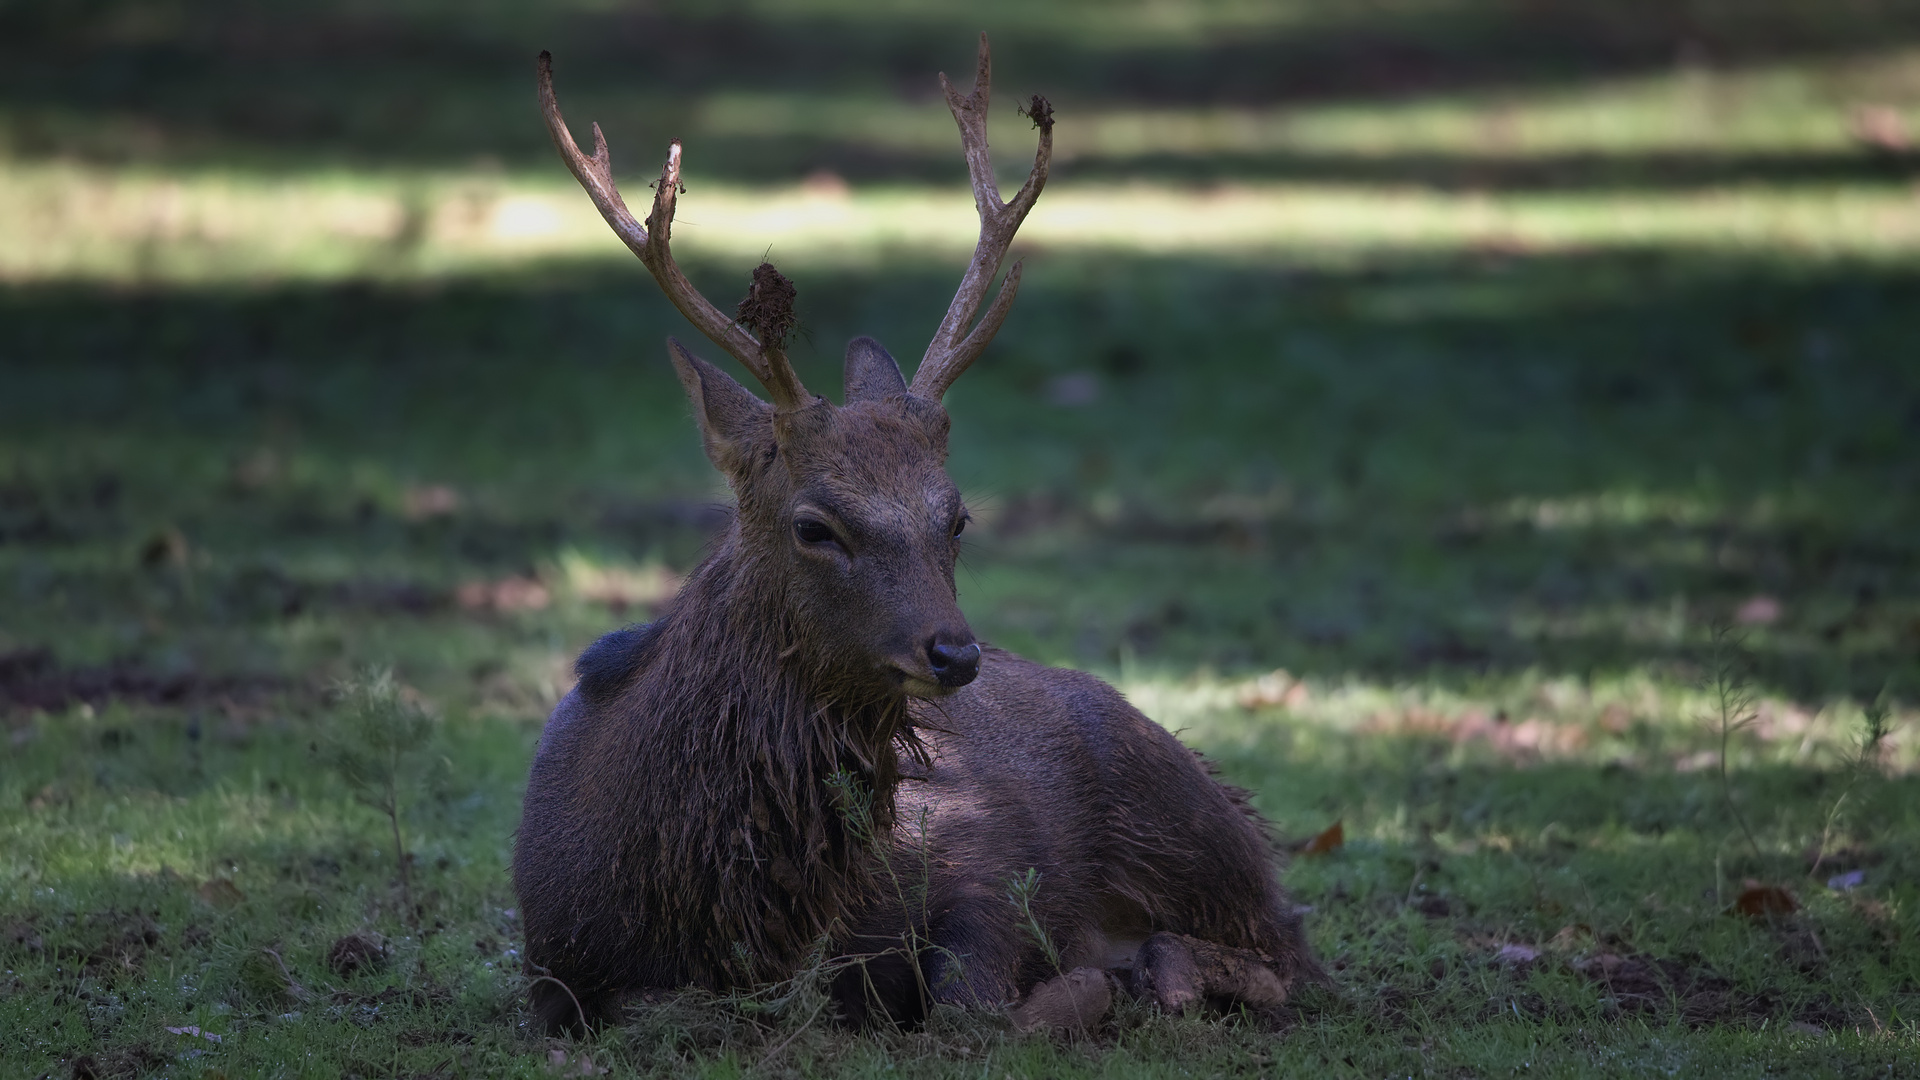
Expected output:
(729, 789)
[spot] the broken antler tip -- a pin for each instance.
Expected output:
(546, 57)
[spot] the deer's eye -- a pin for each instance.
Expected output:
(959, 525)
(812, 531)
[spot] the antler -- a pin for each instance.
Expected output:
(764, 355)
(949, 353)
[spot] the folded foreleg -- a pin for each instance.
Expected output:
(1177, 972)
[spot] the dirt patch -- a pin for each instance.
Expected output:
(22, 937)
(113, 945)
(266, 591)
(121, 1064)
(33, 680)
(1644, 984)
(418, 997)
(1701, 996)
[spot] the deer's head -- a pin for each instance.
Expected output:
(848, 506)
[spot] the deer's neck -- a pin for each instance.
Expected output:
(774, 694)
(779, 773)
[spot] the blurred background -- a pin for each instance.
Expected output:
(1491, 424)
(1418, 338)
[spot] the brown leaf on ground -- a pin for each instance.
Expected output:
(220, 892)
(1571, 937)
(1327, 842)
(167, 547)
(362, 950)
(507, 594)
(1758, 901)
(429, 501)
(1275, 688)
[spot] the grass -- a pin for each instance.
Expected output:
(1407, 445)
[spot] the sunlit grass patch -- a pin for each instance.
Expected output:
(1693, 109)
(74, 223)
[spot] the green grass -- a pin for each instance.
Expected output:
(1401, 441)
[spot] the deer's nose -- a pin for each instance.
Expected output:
(954, 665)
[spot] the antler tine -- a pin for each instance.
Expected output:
(953, 348)
(766, 360)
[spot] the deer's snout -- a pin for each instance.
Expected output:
(953, 666)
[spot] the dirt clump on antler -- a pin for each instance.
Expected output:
(768, 309)
(1040, 111)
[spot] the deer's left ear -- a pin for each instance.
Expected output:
(732, 421)
(871, 374)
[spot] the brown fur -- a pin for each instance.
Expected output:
(680, 828)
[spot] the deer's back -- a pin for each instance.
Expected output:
(1052, 769)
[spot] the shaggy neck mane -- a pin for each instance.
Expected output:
(768, 773)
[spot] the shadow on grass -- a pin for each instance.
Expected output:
(1637, 171)
(433, 84)
(1426, 466)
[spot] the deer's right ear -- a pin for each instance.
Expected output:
(732, 421)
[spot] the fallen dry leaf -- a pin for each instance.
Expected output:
(1327, 842)
(1571, 937)
(507, 594)
(429, 501)
(362, 950)
(220, 892)
(1758, 901)
(1275, 688)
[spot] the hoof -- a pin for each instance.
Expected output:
(1177, 972)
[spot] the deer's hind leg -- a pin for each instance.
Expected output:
(982, 958)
